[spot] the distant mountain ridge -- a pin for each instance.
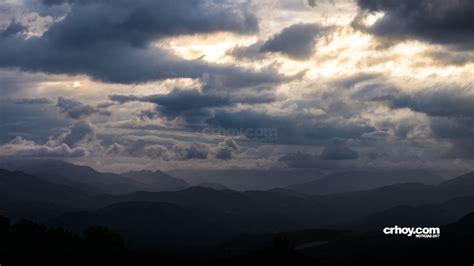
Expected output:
(23, 196)
(463, 180)
(242, 179)
(157, 180)
(363, 180)
(214, 186)
(93, 182)
(21, 186)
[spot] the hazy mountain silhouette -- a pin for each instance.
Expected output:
(243, 180)
(284, 210)
(157, 180)
(84, 175)
(194, 216)
(94, 182)
(265, 226)
(463, 180)
(23, 187)
(235, 210)
(214, 186)
(288, 192)
(363, 180)
(204, 216)
(26, 196)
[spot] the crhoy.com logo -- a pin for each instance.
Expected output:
(418, 232)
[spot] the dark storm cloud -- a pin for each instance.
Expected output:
(442, 99)
(455, 58)
(338, 152)
(139, 148)
(30, 119)
(435, 21)
(78, 140)
(225, 149)
(119, 63)
(298, 160)
(110, 41)
(61, 2)
(453, 128)
(297, 41)
(308, 160)
(176, 100)
(351, 81)
(312, 3)
(458, 131)
(293, 128)
(449, 111)
(78, 133)
(446, 102)
(230, 77)
(224, 153)
(142, 21)
(192, 105)
(194, 150)
(13, 84)
(12, 29)
(74, 108)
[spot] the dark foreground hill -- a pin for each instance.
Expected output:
(149, 224)
(433, 214)
(27, 242)
(26, 196)
(195, 215)
(23, 187)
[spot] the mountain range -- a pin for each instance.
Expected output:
(362, 180)
(212, 213)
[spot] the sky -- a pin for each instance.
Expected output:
(206, 84)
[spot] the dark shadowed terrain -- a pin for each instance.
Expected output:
(172, 220)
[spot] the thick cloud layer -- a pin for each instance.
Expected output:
(436, 21)
(297, 41)
(142, 21)
(448, 102)
(74, 108)
(110, 40)
(27, 148)
(227, 84)
(191, 104)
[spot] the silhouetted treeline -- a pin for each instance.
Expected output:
(26, 240)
